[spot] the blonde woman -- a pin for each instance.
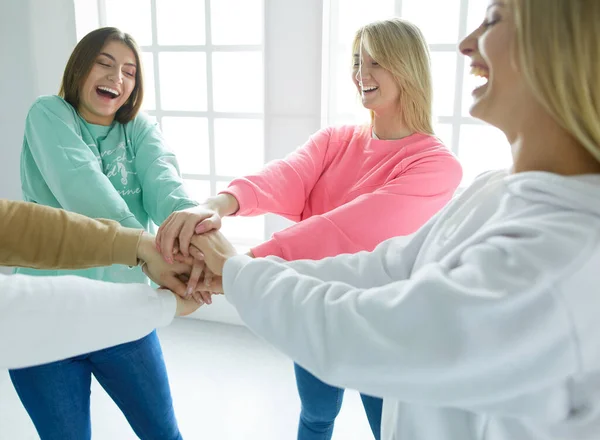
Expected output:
(348, 188)
(485, 326)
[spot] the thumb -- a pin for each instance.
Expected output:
(213, 222)
(175, 285)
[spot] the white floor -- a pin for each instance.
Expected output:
(226, 383)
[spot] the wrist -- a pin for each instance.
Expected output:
(146, 247)
(224, 204)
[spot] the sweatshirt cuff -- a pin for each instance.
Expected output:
(244, 195)
(230, 272)
(125, 246)
(269, 247)
(168, 307)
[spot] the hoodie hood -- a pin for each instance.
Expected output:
(578, 193)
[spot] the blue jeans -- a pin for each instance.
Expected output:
(321, 404)
(57, 395)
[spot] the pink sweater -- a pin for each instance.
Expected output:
(349, 192)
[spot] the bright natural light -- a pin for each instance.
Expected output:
(204, 83)
(479, 146)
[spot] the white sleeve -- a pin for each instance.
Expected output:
(470, 331)
(360, 270)
(44, 319)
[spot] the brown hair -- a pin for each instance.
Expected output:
(82, 60)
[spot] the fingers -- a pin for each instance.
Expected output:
(197, 270)
(161, 231)
(175, 285)
(196, 253)
(213, 222)
(170, 234)
(186, 234)
(197, 297)
(206, 297)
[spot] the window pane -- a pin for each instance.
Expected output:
(444, 132)
(347, 99)
(245, 26)
(239, 146)
(188, 137)
(183, 81)
(482, 148)
(86, 17)
(181, 22)
(438, 20)
(149, 86)
(131, 16)
(246, 230)
(476, 15)
(199, 189)
(443, 70)
(352, 14)
(238, 84)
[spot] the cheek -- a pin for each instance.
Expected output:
(128, 89)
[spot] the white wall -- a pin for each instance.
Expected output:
(37, 37)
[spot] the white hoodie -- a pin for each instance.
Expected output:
(44, 319)
(485, 326)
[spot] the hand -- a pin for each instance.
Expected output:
(162, 273)
(214, 249)
(184, 306)
(182, 225)
(202, 283)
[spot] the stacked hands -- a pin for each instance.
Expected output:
(188, 254)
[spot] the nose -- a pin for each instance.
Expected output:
(468, 46)
(362, 72)
(116, 76)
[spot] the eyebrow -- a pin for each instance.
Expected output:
(107, 55)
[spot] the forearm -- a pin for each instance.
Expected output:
(41, 237)
(224, 204)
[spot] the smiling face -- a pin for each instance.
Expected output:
(376, 85)
(109, 84)
(502, 98)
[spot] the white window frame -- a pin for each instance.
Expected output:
(456, 121)
(208, 48)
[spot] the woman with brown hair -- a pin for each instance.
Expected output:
(91, 151)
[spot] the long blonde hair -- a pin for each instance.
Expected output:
(399, 47)
(558, 51)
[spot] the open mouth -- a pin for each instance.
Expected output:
(107, 92)
(367, 90)
(481, 77)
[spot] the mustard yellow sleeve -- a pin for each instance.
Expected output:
(41, 237)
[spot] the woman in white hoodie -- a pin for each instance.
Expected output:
(486, 325)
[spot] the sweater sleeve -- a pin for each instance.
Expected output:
(45, 319)
(69, 167)
(41, 237)
(283, 186)
(398, 208)
(470, 331)
(158, 171)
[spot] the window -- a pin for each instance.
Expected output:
(444, 23)
(204, 76)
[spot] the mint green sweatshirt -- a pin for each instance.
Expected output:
(122, 172)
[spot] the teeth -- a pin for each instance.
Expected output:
(109, 90)
(368, 89)
(479, 71)
(481, 76)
